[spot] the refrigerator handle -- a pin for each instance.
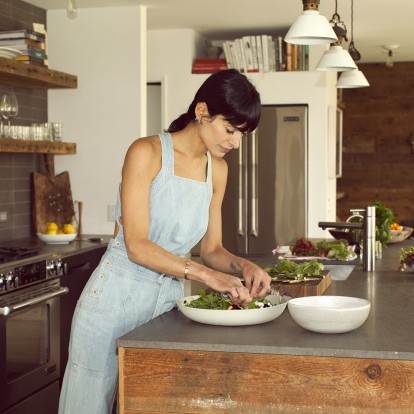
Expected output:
(240, 226)
(254, 199)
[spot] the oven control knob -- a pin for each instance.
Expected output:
(16, 281)
(61, 267)
(2, 282)
(9, 281)
(56, 267)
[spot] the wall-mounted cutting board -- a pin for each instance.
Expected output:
(52, 200)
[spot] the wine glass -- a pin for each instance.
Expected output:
(5, 113)
(14, 110)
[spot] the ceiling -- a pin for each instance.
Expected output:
(376, 23)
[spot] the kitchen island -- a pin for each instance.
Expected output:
(175, 365)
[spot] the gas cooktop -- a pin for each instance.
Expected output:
(10, 254)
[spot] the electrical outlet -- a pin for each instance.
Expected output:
(3, 216)
(111, 212)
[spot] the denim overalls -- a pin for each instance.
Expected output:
(121, 295)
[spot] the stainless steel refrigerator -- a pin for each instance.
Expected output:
(266, 196)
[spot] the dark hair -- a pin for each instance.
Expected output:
(228, 93)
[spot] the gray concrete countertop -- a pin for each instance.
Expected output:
(65, 250)
(387, 333)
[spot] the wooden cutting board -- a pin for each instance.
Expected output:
(52, 200)
(309, 288)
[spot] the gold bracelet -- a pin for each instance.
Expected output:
(187, 264)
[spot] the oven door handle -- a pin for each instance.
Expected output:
(34, 301)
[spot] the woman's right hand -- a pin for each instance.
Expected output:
(224, 283)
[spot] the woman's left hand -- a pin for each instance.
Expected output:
(256, 279)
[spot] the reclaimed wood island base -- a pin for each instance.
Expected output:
(174, 365)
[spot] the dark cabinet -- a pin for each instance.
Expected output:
(79, 269)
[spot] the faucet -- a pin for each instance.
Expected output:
(368, 235)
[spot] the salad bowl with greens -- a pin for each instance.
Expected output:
(217, 309)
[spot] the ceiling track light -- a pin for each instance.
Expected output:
(311, 28)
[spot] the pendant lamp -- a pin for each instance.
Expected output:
(311, 28)
(336, 59)
(71, 9)
(352, 78)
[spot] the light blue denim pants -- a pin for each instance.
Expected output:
(119, 296)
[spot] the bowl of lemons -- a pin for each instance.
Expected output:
(55, 234)
(399, 233)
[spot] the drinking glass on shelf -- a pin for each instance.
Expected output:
(4, 114)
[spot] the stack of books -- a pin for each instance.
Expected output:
(263, 53)
(30, 43)
(209, 65)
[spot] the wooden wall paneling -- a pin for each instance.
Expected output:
(378, 156)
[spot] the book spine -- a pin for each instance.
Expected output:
(228, 55)
(281, 52)
(254, 52)
(237, 64)
(272, 54)
(240, 55)
(259, 53)
(208, 61)
(288, 57)
(22, 35)
(265, 54)
(248, 53)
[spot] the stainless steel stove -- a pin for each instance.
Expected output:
(29, 330)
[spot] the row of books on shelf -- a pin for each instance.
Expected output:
(261, 53)
(30, 46)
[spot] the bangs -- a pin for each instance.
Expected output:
(243, 117)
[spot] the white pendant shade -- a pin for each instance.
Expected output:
(311, 28)
(352, 79)
(336, 59)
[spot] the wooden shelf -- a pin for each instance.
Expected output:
(34, 77)
(41, 147)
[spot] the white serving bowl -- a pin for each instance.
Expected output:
(400, 235)
(239, 317)
(329, 314)
(57, 238)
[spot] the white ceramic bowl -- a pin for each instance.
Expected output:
(234, 317)
(329, 314)
(400, 235)
(57, 238)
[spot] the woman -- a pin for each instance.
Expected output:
(170, 199)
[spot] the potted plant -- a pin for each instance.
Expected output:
(384, 217)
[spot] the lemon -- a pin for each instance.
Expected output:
(51, 231)
(69, 229)
(51, 226)
(60, 232)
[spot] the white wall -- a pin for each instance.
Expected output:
(106, 48)
(103, 47)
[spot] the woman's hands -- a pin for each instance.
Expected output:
(256, 279)
(257, 283)
(224, 283)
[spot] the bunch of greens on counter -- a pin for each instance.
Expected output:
(333, 249)
(407, 258)
(219, 301)
(288, 269)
